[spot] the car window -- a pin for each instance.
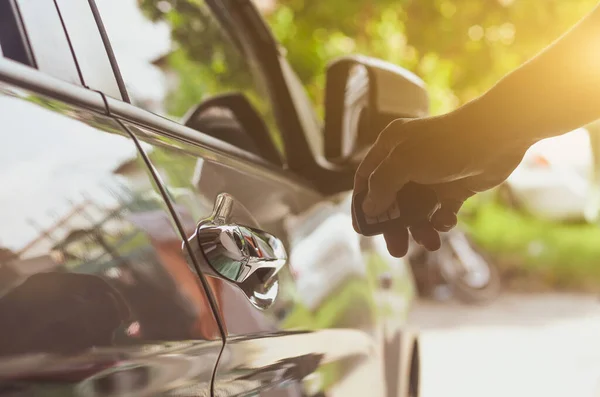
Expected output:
(174, 54)
(12, 39)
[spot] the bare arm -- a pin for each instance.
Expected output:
(477, 146)
(555, 92)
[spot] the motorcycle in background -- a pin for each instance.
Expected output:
(459, 267)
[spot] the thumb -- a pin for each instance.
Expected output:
(452, 196)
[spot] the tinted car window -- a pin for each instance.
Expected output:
(174, 54)
(12, 37)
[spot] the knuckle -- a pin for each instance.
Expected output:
(380, 187)
(397, 159)
(391, 135)
(375, 180)
(361, 173)
(397, 154)
(377, 184)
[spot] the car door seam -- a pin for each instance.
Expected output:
(213, 377)
(180, 229)
(203, 282)
(107, 109)
(109, 51)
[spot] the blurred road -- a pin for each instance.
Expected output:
(521, 345)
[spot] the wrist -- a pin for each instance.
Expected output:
(485, 123)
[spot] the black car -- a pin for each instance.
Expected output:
(175, 218)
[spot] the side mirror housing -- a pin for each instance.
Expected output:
(362, 96)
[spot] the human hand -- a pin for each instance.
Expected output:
(455, 162)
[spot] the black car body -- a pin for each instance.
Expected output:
(109, 286)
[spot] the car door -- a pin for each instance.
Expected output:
(95, 295)
(279, 331)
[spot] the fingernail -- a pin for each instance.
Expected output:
(368, 206)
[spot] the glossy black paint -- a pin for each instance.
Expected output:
(95, 292)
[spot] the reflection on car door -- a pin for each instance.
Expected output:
(95, 294)
(293, 339)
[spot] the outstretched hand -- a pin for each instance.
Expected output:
(455, 162)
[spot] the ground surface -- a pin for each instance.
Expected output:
(521, 345)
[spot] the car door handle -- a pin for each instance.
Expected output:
(244, 255)
(237, 252)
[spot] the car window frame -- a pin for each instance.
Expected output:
(121, 108)
(37, 24)
(20, 75)
(244, 20)
(104, 64)
(38, 81)
(280, 99)
(209, 147)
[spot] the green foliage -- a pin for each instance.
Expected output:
(205, 60)
(195, 33)
(459, 47)
(557, 255)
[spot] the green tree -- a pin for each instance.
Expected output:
(459, 47)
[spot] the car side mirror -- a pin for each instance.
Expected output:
(362, 96)
(232, 119)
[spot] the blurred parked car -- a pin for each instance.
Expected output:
(148, 254)
(554, 180)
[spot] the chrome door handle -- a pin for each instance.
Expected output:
(241, 254)
(237, 252)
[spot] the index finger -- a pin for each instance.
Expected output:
(386, 141)
(373, 158)
(361, 179)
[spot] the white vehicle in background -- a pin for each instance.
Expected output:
(554, 180)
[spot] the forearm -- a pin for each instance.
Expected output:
(555, 92)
